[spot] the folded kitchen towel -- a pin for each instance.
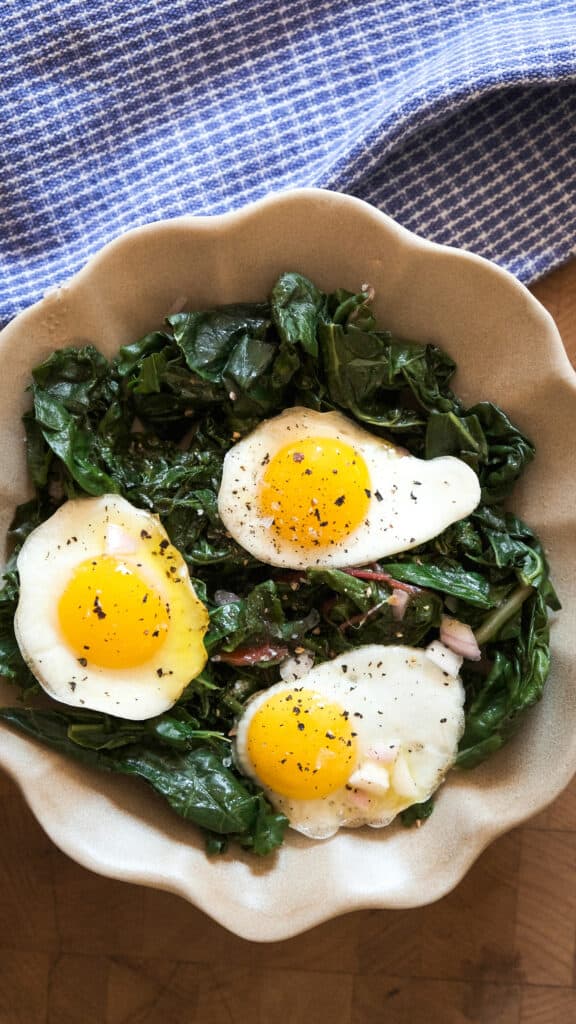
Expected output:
(456, 117)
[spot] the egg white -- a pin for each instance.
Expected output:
(411, 500)
(86, 528)
(408, 715)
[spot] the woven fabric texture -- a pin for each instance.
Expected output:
(456, 117)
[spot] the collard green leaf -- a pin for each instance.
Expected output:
(468, 585)
(247, 376)
(365, 371)
(225, 621)
(74, 444)
(514, 683)
(198, 783)
(357, 367)
(12, 664)
(97, 731)
(357, 591)
(208, 339)
(39, 453)
(78, 380)
(509, 452)
(485, 438)
(296, 304)
(131, 357)
(462, 436)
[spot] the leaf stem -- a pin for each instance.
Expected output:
(376, 576)
(492, 624)
(349, 306)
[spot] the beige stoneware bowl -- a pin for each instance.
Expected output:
(508, 350)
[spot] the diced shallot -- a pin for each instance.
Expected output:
(370, 776)
(402, 780)
(459, 637)
(444, 658)
(398, 600)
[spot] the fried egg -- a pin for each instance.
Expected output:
(355, 741)
(308, 488)
(107, 617)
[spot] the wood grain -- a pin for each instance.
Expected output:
(80, 949)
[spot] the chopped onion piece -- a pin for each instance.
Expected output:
(398, 600)
(444, 658)
(296, 667)
(459, 637)
(402, 780)
(371, 776)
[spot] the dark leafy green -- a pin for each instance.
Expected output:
(514, 683)
(296, 304)
(417, 813)
(470, 586)
(154, 425)
(485, 438)
(12, 664)
(197, 780)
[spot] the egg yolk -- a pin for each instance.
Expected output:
(110, 616)
(301, 745)
(315, 491)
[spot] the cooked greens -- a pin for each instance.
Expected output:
(154, 425)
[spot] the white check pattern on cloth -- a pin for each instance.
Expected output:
(456, 117)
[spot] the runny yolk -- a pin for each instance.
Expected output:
(301, 745)
(110, 616)
(315, 491)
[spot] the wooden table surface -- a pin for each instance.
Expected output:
(81, 949)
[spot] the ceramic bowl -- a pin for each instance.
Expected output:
(508, 350)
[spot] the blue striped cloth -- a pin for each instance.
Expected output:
(456, 117)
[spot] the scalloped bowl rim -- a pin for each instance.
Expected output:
(135, 837)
